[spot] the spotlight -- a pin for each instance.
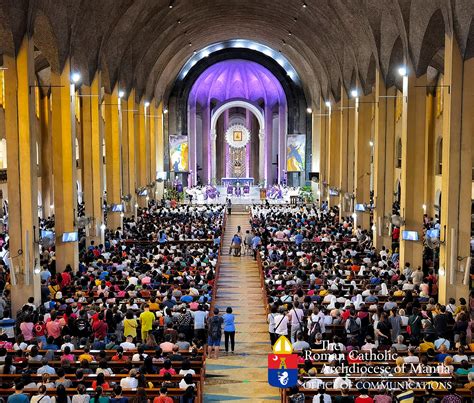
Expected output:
(354, 93)
(165, 111)
(309, 110)
(103, 227)
(122, 215)
(147, 104)
(51, 206)
(190, 44)
(75, 77)
(121, 94)
(354, 216)
(305, 5)
(37, 270)
(371, 143)
(402, 71)
(328, 104)
(136, 205)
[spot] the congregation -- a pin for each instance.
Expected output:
(335, 296)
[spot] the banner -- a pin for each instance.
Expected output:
(179, 153)
(295, 152)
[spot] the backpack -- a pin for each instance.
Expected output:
(354, 327)
(215, 328)
(82, 326)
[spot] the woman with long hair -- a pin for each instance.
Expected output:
(41, 396)
(98, 398)
(61, 395)
(81, 396)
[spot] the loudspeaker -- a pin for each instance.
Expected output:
(314, 176)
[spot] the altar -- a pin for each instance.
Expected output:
(234, 181)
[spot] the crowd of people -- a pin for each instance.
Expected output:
(147, 301)
(330, 291)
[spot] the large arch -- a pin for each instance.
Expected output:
(257, 112)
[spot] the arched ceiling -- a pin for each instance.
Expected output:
(237, 79)
(144, 43)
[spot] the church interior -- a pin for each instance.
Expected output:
(232, 200)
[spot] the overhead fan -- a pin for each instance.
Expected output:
(127, 197)
(397, 220)
(83, 222)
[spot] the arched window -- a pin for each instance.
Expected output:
(439, 157)
(399, 153)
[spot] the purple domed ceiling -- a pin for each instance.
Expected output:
(237, 79)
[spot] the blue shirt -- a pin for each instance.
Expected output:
(229, 325)
(255, 241)
(299, 239)
(186, 298)
(18, 398)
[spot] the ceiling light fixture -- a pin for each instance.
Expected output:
(309, 110)
(305, 5)
(402, 71)
(328, 104)
(165, 111)
(354, 93)
(147, 104)
(121, 94)
(75, 77)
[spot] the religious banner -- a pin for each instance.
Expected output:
(179, 153)
(296, 151)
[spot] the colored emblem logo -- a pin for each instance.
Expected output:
(282, 365)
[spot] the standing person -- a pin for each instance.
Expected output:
(271, 324)
(256, 242)
(281, 324)
(296, 316)
(200, 317)
(229, 329)
(229, 206)
(146, 320)
(215, 333)
(248, 242)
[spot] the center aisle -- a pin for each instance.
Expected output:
(243, 375)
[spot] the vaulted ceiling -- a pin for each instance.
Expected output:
(144, 43)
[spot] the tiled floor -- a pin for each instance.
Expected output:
(243, 375)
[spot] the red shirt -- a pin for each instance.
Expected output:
(162, 399)
(66, 278)
(100, 329)
(367, 399)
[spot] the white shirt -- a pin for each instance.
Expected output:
(281, 324)
(129, 383)
(297, 315)
(325, 398)
(44, 399)
(128, 346)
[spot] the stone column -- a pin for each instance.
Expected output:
(46, 157)
(207, 146)
(152, 124)
(384, 141)
(22, 174)
(64, 166)
(363, 128)
(333, 152)
(283, 132)
(261, 157)
(92, 158)
(141, 151)
(412, 171)
(458, 125)
(131, 140)
(192, 143)
(268, 145)
(344, 171)
(323, 128)
(112, 158)
(213, 156)
(160, 150)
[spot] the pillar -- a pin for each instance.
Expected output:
(160, 150)
(141, 151)
(384, 140)
(344, 169)
(46, 157)
(283, 129)
(22, 174)
(64, 166)
(323, 127)
(315, 150)
(363, 128)
(457, 166)
(92, 172)
(152, 123)
(128, 113)
(333, 152)
(112, 157)
(261, 157)
(412, 171)
(268, 145)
